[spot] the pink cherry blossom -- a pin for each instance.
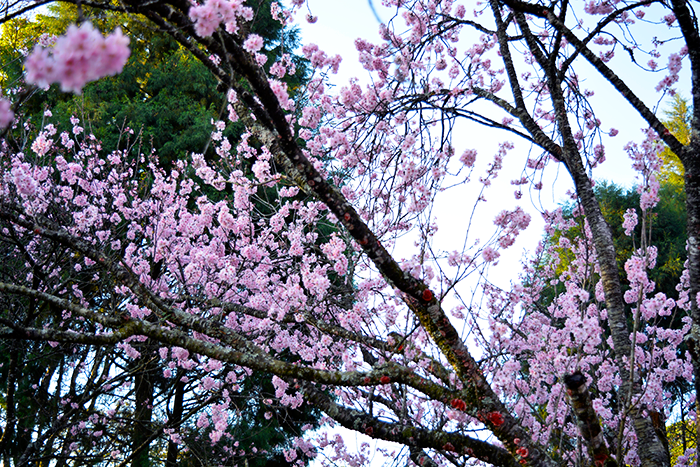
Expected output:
(81, 55)
(630, 221)
(6, 113)
(253, 43)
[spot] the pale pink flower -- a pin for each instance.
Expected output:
(6, 113)
(468, 158)
(253, 43)
(42, 144)
(81, 55)
(630, 222)
(489, 254)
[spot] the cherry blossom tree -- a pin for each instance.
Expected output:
(299, 269)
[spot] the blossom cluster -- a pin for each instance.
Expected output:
(79, 56)
(7, 115)
(647, 162)
(208, 16)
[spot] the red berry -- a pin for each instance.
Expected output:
(427, 295)
(496, 418)
(385, 379)
(459, 404)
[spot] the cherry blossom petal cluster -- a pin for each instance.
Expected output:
(78, 57)
(7, 115)
(208, 16)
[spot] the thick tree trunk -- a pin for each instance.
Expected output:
(687, 21)
(692, 190)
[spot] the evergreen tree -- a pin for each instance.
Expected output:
(164, 93)
(678, 122)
